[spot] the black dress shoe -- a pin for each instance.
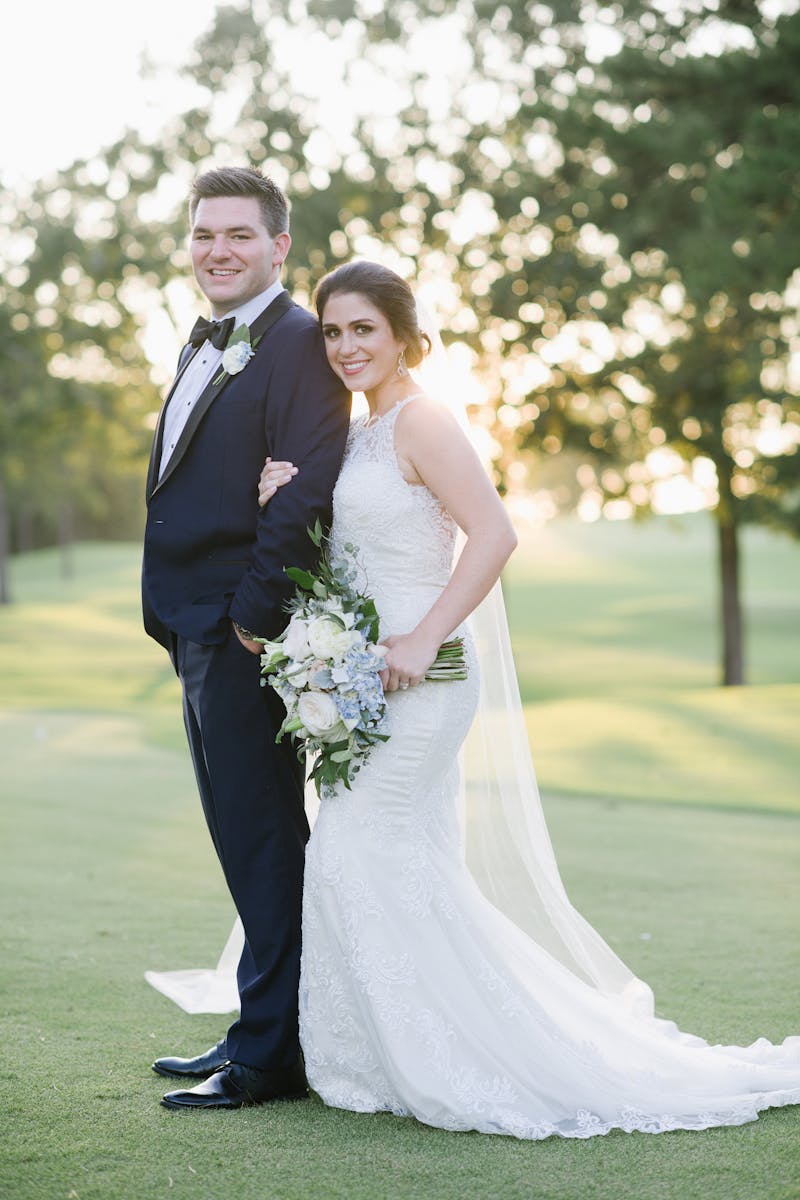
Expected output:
(238, 1086)
(195, 1068)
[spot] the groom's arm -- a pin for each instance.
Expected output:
(307, 417)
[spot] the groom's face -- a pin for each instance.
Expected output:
(234, 256)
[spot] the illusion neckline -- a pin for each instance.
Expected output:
(370, 421)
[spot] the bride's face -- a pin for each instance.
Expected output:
(359, 342)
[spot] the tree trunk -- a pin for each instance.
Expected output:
(730, 601)
(25, 529)
(5, 592)
(66, 539)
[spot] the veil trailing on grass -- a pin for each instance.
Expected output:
(506, 843)
(205, 990)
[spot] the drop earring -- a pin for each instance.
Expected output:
(402, 369)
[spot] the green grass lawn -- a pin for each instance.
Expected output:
(616, 639)
(673, 806)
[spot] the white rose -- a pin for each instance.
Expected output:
(320, 716)
(300, 674)
(298, 678)
(348, 618)
(329, 640)
(295, 644)
(308, 673)
(237, 356)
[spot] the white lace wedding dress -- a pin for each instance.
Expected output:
(417, 996)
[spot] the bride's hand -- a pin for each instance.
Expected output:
(407, 658)
(273, 476)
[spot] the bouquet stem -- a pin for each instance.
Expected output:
(449, 664)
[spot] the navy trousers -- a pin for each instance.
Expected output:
(252, 795)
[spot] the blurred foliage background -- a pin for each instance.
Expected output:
(601, 198)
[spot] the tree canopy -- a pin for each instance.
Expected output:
(605, 196)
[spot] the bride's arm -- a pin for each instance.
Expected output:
(433, 449)
(274, 475)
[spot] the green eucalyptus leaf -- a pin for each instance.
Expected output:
(303, 578)
(240, 334)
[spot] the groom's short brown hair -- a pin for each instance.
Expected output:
(244, 181)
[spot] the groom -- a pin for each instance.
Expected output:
(213, 580)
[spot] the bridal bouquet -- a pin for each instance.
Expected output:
(326, 667)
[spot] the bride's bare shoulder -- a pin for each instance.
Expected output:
(425, 417)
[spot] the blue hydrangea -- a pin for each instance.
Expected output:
(349, 709)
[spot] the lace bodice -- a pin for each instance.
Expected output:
(403, 536)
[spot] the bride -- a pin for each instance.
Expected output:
(445, 975)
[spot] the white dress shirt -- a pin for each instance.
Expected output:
(202, 368)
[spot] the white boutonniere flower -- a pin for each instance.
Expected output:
(237, 353)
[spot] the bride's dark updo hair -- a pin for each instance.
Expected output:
(390, 294)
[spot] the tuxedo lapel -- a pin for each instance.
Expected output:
(186, 355)
(272, 313)
(206, 398)
(281, 304)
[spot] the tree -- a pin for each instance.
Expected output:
(637, 193)
(77, 386)
(612, 191)
(688, 166)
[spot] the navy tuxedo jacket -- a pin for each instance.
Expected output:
(210, 554)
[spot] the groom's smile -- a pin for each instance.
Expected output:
(234, 256)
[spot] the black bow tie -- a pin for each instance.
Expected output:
(216, 332)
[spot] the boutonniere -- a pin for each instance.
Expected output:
(237, 353)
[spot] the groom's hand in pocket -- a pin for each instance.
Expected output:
(253, 647)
